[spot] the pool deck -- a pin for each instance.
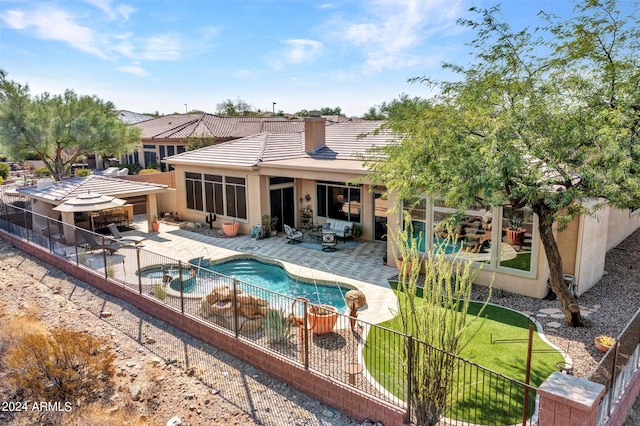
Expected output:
(360, 266)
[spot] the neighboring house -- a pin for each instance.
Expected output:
(168, 135)
(130, 117)
(303, 179)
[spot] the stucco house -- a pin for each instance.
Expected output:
(306, 177)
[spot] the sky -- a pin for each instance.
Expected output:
(172, 56)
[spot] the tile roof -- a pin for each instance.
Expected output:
(343, 141)
(68, 188)
(130, 117)
(180, 126)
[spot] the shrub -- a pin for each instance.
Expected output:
(148, 171)
(5, 170)
(41, 171)
(1, 180)
(82, 172)
(159, 291)
(62, 365)
(278, 327)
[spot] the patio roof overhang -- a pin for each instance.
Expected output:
(57, 193)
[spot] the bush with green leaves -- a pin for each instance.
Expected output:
(83, 172)
(5, 170)
(41, 171)
(148, 171)
(278, 326)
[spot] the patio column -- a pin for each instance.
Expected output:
(565, 399)
(68, 228)
(152, 210)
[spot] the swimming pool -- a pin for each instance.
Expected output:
(263, 275)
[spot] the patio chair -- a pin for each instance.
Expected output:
(122, 172)
(110, 171)
(329, 241)
(92, 244)
(122, 238)
(293, 235)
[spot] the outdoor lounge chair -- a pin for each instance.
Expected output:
(110, 171)
(329, 241)
(124, 238)
(122, 172)
(293, 235)
(92, 244)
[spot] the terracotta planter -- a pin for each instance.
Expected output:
(230, 229)
(601, 346)
(155, 226)
(322, 319)
(399, 263)
(515, 236)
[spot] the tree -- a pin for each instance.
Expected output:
(331, 111)
(402, 108)
(234, 108)
(197, 142)
(60, 129)
(543, 123)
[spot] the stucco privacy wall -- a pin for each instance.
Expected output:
(591, 250)
(355, 405)
(622, 223)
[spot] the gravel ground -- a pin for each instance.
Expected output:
(170, 374)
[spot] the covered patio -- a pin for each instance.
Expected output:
(48, 197)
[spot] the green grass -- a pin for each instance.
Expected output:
(522, 261)
(480, 398)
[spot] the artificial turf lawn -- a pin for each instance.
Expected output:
(475, 393)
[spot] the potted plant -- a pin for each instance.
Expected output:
(515, 233)
(230, 229)
(603, 343)
(357, 231)
(399, 263)
(155, 224)
(323, 318)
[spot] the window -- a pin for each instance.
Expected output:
(236, 197)
(214, 199)
(498, 237)
(194, 190)
(223, 195)
(339, 202)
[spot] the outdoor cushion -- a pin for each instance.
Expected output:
(342, 228)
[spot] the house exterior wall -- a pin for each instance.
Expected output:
(591, 250)
(622, 223)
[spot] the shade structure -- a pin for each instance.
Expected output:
(90, 202)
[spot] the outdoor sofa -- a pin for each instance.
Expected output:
(342, 228)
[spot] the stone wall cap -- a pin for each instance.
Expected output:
(574, 390)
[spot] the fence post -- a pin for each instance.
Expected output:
(26, 229)
(49, 236)
(139, 271)
(306, 336)
(235, 308)
(407, 414)
(181, 286)
(104, 259)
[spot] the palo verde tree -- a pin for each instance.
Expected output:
(59, 129)
(546, 121)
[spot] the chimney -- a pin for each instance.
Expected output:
(314, 128)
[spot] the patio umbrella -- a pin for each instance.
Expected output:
(90, 202)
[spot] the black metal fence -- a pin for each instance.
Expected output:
(617, 366)
(369, 358)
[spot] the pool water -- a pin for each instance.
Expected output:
(273, 278)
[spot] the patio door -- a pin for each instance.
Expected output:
(282, 202)
(379, 216)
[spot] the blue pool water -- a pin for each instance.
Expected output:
(265, 276)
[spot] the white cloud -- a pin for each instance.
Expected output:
(163, 47)
(301, 50)
(390, 30)
(120, 11)
(135, 70)
(52, 23)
